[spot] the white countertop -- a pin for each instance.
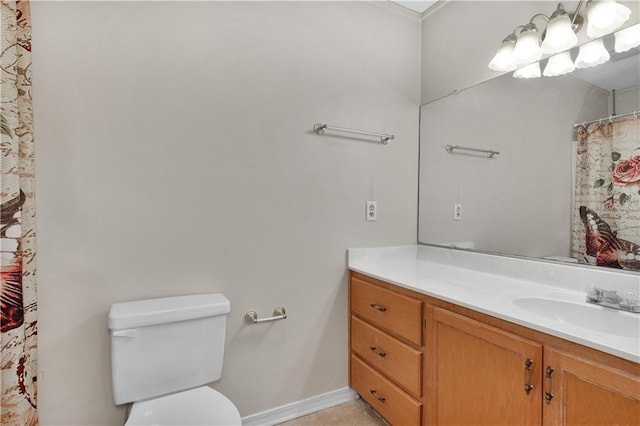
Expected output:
(498, 286)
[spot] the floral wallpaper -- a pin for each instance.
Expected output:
(606, 228)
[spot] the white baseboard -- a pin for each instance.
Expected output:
(300, 408)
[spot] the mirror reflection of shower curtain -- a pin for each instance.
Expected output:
(606, 222)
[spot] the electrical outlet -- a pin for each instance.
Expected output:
(457, 211)
(372, 211)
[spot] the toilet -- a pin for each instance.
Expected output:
(163, 354)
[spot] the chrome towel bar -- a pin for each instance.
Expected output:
(320, 128)
(279, 313)
(490, 153)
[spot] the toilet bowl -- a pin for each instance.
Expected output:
(199, 406)
(163, 354)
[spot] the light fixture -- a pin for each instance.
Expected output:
(627, 39)
(592, 54)
(559, 35)
(559, 64)
(504, 59)
(529, 71)
(527, 46)
(605, 16)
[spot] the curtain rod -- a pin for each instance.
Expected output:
(609, 119)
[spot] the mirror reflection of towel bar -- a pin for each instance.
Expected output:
(279, 313)
(490, 153)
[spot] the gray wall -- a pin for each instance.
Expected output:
(175, 156)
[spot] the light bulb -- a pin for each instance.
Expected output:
(559, 36)
(605, 16)
(628, 38)
(529, 71)
(559, 64)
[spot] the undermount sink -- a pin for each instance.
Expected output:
(591, 317)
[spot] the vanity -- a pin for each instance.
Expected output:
(440, 336)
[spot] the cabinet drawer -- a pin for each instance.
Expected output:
(394, 359)
(397, 407)
(393, 312)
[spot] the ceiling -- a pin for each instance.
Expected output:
(416, 5)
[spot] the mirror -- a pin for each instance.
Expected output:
(520, 201)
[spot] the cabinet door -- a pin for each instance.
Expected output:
(583, 392)
(476, 374)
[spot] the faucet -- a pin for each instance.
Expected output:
(611, 299)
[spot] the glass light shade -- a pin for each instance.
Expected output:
(504, 60)
(592, 54)
(560, 35)
(527, 48)
(530, 71)
(605, 16)
(559, 64)
(628, 38)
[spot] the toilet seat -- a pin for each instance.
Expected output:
(199, 406)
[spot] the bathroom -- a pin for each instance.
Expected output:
(175, 154)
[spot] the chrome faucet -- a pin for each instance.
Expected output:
(611, 299)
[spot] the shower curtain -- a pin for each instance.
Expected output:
(606, 225)
(17, 215)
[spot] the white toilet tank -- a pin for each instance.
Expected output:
(160, 346)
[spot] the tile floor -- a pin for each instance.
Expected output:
(352, 413)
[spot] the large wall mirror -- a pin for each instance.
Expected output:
(523, 201)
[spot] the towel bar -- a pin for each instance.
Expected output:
(279, 313)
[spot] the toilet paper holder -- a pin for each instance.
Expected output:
(279, 313)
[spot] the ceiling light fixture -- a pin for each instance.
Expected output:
(526, 45)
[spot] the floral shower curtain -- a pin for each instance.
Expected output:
(17, 227)
(607, 195)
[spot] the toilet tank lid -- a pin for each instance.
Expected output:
(163, 310)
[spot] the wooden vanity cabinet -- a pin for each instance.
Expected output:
(386, 360)
(447, 365)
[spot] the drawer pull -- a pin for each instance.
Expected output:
(375, 351)
(528, 364)
(375, 395)
(549, 372)
(378, 307)
(548, 396)
(528, 388)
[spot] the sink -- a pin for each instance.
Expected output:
(581, 314)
